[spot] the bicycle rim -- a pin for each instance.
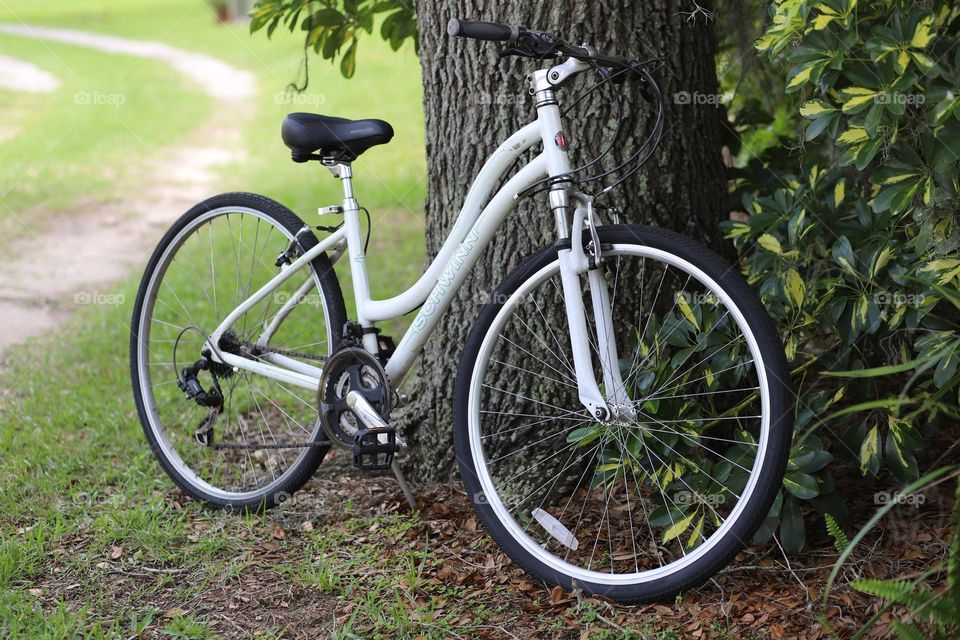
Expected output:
(636, 500)
(267, 428)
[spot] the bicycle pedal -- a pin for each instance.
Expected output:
(374, 449)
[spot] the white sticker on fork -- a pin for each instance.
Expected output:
(553, 526)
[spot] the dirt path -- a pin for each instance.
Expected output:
(17, 75)
(78, 254)
(23, 77)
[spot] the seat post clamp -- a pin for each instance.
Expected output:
(339, 169)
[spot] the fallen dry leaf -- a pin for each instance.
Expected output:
(559, 596)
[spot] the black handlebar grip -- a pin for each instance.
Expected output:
(491, 31)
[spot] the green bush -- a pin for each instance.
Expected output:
(925, 611)
(847, 226)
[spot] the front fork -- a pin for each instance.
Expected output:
(574, 262)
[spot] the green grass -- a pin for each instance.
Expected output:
(101, 153)
(387, 176)
(88, 518)
(78, 480)
(79, 483)
(80, 142)
(160, 108)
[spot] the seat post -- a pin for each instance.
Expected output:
(343, 172)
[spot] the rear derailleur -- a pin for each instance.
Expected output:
(212, 399)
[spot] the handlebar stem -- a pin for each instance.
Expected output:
(554, 76)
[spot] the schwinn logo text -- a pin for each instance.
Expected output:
(446, 280)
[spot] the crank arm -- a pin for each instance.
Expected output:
(369, 416)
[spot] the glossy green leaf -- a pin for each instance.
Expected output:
(327, 17)
(676, 529)
(348, 64)
(770, 243)
(792, 533)
(843, 254)
(801, 485)
(794, 287)
(870, 452)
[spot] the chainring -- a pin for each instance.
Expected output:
(351, 369)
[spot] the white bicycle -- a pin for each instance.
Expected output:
(622, 410)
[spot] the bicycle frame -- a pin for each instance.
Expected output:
(476, 223)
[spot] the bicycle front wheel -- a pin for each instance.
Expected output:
(656, 500)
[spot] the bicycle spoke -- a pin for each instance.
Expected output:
(568, 378)
(538, 375)
(542, 342)
(690, 395)
(705, 377)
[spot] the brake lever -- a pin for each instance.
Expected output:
(537, 45)
(509, 51)
(616, 76)
(533, 55)
(622, 74)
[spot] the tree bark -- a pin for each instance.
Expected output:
(472, 102)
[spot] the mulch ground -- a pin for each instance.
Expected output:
(471, 585)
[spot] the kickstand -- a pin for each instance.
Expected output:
(402, 481)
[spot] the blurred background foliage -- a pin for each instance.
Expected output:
(332, 29)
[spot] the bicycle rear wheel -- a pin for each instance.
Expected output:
(635, 508)
(267, 440)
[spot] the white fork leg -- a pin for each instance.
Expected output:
(574, 262)
(589, 392)
(607, 344)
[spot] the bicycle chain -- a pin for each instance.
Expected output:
(256, 350)
(291, 445)
(292, 354)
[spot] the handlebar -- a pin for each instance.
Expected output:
(490, 31)
(539, 45)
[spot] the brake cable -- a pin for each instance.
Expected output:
(645, 150)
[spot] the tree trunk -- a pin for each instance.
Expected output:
(472, 102)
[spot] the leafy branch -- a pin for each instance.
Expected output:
(333, 28)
